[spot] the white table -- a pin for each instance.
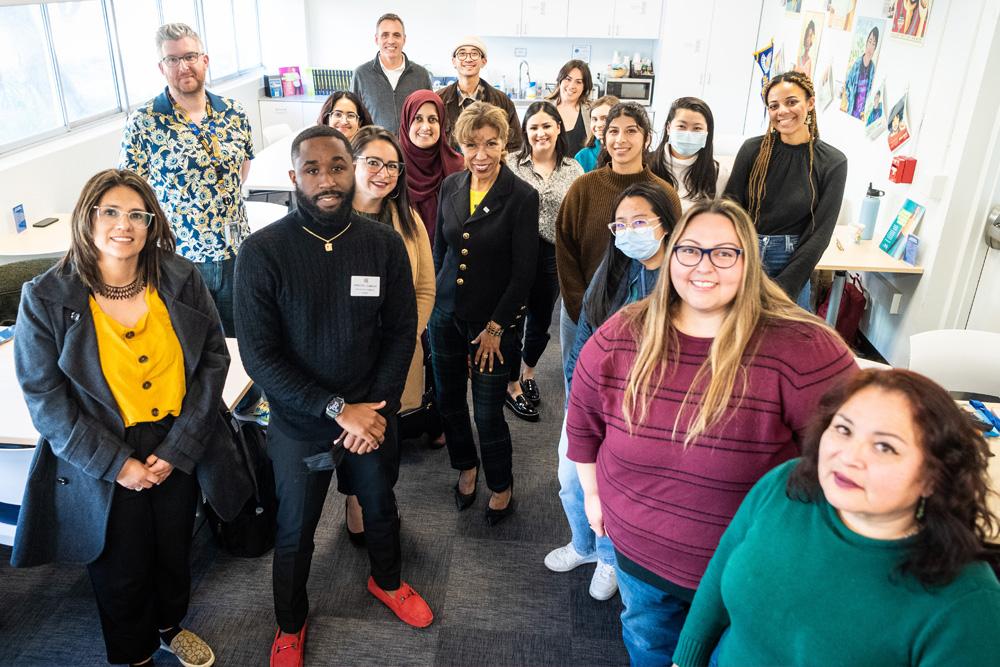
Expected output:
(850, 256)
(261, 213)
(16, 427)
(269, 168)
(37, 242)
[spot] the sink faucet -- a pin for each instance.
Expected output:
(527, 74)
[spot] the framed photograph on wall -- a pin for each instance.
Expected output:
(908, 19)
(874, 116)
(840, 14)
(793, 6)
(824, 87)
(808, 45)
(898, 123)
(866, 42)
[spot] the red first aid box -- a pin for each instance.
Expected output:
(902, 169)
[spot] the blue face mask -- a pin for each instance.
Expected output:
(638, 244)
(687, 143)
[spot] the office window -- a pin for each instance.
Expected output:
(220, 38)
(136, 22)
(180, 11)
(29, 99)
(247, 34)
(83, 53)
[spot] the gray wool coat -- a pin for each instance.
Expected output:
(67, 500)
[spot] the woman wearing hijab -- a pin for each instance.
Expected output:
(427, 154)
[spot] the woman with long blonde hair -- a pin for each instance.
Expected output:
(681, 402)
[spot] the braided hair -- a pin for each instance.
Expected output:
(758, 173)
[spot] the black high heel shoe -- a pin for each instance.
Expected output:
(357, 539)
(493, 517)
(463, 501)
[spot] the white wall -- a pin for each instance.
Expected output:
(947, 78)
(342, 36)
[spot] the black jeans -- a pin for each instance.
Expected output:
(451, 348)
(142, 579)
(538, 317)
(300, 503)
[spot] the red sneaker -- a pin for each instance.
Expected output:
(288, 650)
(406, 603)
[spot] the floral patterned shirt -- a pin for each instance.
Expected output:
(199, 192)
(551, 190)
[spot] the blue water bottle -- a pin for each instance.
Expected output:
(869, 212)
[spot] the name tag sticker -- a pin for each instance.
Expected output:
(364, 285)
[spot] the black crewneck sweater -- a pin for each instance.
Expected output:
(304, 338)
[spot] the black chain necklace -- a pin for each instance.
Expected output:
(121, 293)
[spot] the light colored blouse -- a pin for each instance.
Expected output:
(551, 189)
(144, 364)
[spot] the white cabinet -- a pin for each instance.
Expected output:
(296, 112)
(629, 19)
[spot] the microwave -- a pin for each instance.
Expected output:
(631, 90)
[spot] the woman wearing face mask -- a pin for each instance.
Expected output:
(587, 156)
(344, 111)
(684, 157)
(581, 225)
(381, 195)
(429, 157)
(642, 220)
(792, 184)
(543, 164)
(680, 403)
(876, 534)
(570, 97)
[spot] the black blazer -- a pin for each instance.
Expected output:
(485, 263)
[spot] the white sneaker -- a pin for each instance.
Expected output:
(604, 583)
(566, 558)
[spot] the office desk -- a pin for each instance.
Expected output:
(269, 168)
(18, 436)
(35, 242)
(864, 256)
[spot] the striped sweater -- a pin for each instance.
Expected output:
(666, 507)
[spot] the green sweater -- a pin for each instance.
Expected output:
(797, 587)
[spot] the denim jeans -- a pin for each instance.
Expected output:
(571, 494)
(451, 350)
(651, 621)
(538, 316)
(567, 336)
(775, 252)
(218, 278)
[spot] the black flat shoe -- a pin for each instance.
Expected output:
(463, 501)
(530, 389)
(521, 407)
(493, 517)
(357, 539)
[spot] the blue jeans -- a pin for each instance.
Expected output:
(451, 350)
(651, 621)
(567, 336)
(775, 252)
(571, 494)
(218, 278)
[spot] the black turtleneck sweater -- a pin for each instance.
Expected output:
(304, 338)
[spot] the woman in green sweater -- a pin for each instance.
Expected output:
(866, 551)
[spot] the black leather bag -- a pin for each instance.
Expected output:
(251, 533)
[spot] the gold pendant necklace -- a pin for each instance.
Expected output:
(328, 243)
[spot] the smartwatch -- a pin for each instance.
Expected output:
(335, 407)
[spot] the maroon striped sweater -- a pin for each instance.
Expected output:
(666, 507)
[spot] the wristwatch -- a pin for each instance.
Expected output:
(335, 407)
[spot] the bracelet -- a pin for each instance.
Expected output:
(494, 329)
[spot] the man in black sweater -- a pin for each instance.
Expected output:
(326, 320)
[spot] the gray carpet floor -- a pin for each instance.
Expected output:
(494, 601)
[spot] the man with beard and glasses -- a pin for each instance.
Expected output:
(326, 321)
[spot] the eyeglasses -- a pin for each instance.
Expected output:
(341, 115)
(188, 58)
(468, 55)
(375, 165)
(620, 226)
(114, 215)
(723, 257)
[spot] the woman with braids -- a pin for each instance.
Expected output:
(791, 183)
(684, 157)
(872, 542)
(680, 402)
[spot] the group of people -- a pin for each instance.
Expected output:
(722, 460)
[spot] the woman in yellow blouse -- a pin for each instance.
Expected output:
(121, 357)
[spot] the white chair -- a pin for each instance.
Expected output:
(273, 133)
(958, 359)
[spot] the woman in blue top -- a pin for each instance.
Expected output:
(628, 273)
(587, 156)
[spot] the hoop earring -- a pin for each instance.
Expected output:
(921, 508)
